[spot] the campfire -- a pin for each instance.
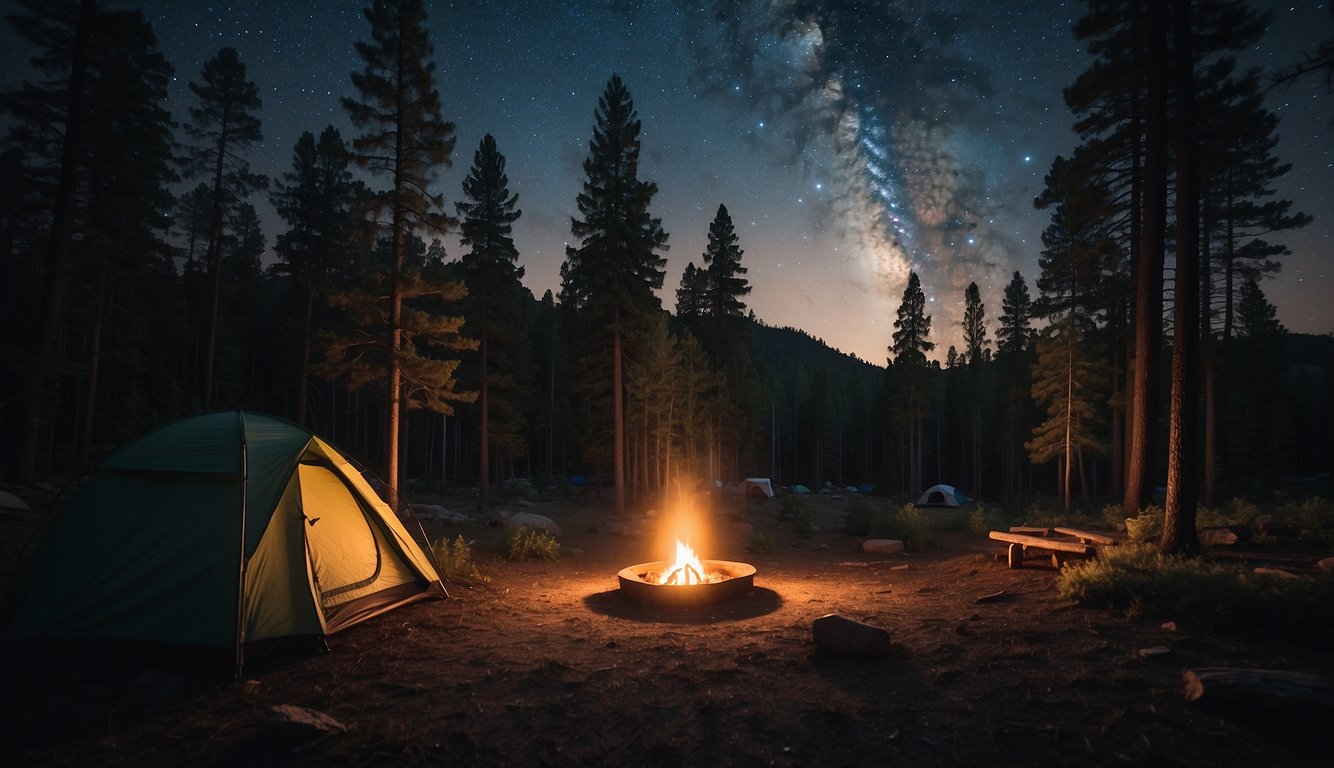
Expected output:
(687, 580)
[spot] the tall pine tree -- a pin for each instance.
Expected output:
(492, 308)
(610, 278)
(404, 138)
(223, 126)
(909, 369)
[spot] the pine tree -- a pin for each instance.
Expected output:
(975, 337)
(610, 278)
(224, 126)
(48, 34)
(726, 285)
(909, 368)
(318, 199)
(492, 277)
(690, 297)
(1069, 379)
(404, 138)
(1014, 339)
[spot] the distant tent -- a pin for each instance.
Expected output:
(759, 487)
(218, 530)
(942, 496)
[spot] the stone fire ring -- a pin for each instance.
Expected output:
(740, 580)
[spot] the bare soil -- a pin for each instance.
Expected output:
(548, 664)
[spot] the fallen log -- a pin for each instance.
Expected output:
(1252, 689)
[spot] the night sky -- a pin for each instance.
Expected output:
(844, 161)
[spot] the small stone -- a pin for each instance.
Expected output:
(523, 503)
(1153, 652)
(1170, 626)
(1326, 565)
(843, 635)
(882, 546)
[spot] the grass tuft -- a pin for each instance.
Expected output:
(455, 560)
(1137, 578)
(527, 544)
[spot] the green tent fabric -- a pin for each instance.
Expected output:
(217, 530)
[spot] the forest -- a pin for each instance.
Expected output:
(138, 285)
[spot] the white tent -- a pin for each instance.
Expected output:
(942, 496)
(759, 487)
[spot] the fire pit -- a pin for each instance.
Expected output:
(687, 581)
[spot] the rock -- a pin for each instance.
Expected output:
(1153, 652)
(743, 529)
(534, 522)
(292, 726)
(1224, 536)
(1279, 572)
(437, 512)
(882, 546)
(1326, 565)
(843, 635)
(523, 503)
(1170, 626)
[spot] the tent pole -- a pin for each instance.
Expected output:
(240, 571)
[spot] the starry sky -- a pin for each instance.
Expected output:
(881, 138)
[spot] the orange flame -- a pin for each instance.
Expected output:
(686, 569)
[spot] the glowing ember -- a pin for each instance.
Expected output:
(686, 569)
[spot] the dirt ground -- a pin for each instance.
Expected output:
(547, 664)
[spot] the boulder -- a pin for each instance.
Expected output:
(843, 635)
(882, 546)
(533, 521)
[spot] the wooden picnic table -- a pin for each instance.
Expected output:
(1023, 538)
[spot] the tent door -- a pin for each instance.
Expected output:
(349, 556)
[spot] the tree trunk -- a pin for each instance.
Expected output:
(94, 370)
(304, 380)
(58, 253)
(1179, 535)
(618, 416)
(1149, 271)
(484, 457)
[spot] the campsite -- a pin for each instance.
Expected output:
(541, 662)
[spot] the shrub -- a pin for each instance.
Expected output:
(527, 544)
(1137, 577)
(455, 559)
(910, 526)
(1314, 514)
(983, 520)
(1146, 526)
(790, 506)
(800, 517)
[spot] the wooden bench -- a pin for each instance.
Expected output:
(1088, 537)
(1020, 543)
(1029, 530)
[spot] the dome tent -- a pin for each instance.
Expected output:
(942, 496)
(218, 530)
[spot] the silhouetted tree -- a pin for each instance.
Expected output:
(318, 198)
(908, 367)
(609, 279)
(224, 126)
(492, 308)
(404, 138)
